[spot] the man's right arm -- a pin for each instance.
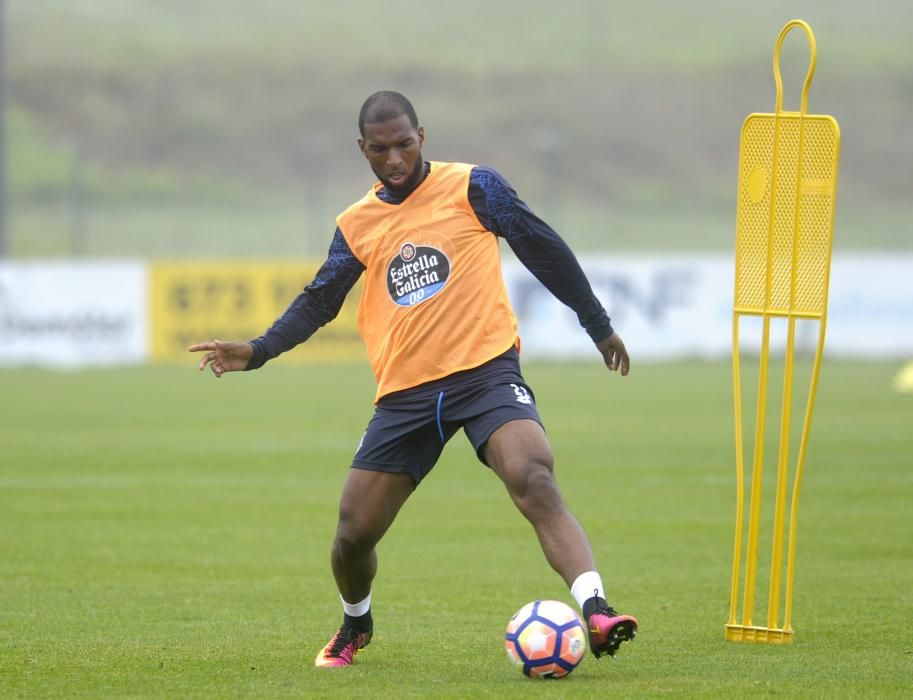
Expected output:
(315, 306)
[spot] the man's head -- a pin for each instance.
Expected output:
(391, 140)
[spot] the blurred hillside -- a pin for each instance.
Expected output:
(223, 127)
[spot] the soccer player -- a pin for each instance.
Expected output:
(442, 341)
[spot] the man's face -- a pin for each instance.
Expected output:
(394, 150)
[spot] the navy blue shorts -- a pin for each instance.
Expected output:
(409, 428)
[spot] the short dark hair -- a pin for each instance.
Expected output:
(383, 106)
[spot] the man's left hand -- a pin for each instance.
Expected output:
(614, 354)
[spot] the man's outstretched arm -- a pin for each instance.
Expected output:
(318, 304)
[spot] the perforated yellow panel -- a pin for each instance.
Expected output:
(802, 244)
(785, 218)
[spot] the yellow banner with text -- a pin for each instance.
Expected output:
(198, 301)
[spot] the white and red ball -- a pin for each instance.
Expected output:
(545, 639)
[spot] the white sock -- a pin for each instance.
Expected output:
(586, 586)
(356, 609)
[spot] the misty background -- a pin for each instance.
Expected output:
(167, 129)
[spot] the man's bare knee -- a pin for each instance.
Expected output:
(369, 503)
(354, 537)
(535, 491)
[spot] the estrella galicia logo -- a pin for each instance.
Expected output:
(416, 274)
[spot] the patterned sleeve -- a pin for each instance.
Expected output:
(536, 244)
(314, 307)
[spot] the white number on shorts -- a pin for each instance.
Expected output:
(522, 394)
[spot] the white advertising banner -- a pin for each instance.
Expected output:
(870, 312)
(72, 314)
(672, 306)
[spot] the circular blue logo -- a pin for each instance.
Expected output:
(416, 274)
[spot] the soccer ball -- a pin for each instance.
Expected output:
(546, 639)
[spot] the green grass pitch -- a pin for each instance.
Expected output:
(164, 534)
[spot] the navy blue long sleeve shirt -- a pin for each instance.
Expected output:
(498, 208)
